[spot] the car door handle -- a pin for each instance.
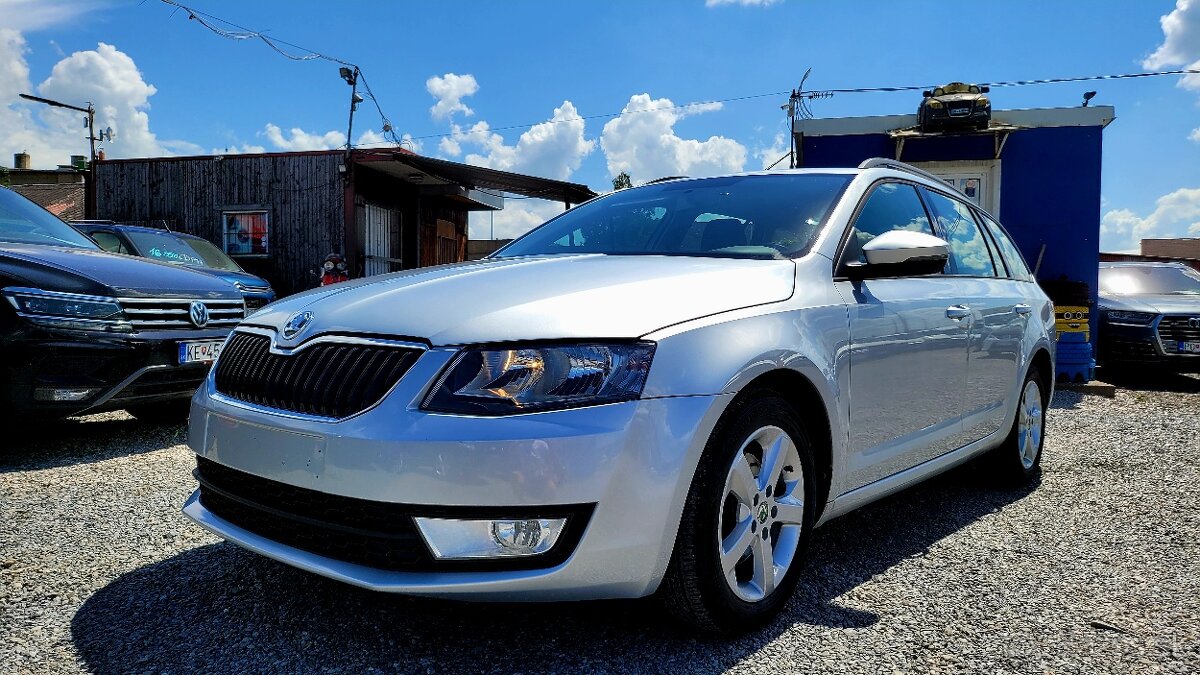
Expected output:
(958, 312)
(1022, 309)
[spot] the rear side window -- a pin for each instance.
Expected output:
(1013, 259)
(109, 242)
(891, 206)
(970, 254)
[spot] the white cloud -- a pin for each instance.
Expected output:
(1175, 215)
(1181, 42)
(106, 76)
(449, 90)
(517, 218)
(551, 149)
(771, 155)
(27, 15)
(299, 139)
(1195, 135)
(643, 143)
(449, 147)
(743, 3)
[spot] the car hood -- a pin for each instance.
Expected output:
(1159, 304)
(80, 270)
(957, 98)
(233, 277)
(538, 298)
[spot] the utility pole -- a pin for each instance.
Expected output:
(351, 78)
(89, 206)
(90, 110)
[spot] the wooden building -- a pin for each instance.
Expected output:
(280, 214)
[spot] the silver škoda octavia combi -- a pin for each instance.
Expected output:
(663, 390)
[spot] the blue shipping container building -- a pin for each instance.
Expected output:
(1037, 170)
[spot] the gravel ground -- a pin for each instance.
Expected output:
(1096, 569)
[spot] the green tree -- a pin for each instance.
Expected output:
(622, 181)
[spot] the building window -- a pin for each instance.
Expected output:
(246, 232)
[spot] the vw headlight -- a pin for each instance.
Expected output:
(934, 103)
(1130, 318)
(67, 310)
(982, 102)
(505, 381)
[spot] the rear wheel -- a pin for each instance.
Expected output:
(1019, 458)
(747, 518)
(162, 412)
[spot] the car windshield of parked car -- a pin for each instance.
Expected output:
(757, 216)
(167, 247)
(213, 256)
(23, 222)
(956, 88)
(1149, 280)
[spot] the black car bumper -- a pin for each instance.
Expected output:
(1158, 344)
(118, 370)
(941, 119)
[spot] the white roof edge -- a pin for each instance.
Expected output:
(1091, 116)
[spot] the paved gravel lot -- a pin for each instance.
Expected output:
(1097, 569)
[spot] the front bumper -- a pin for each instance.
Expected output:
(121, 369)
(1152, 344)
(623, 469)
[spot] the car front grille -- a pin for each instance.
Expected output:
(366, 532)
(175, 313)
(325, 379)
(1175, 329)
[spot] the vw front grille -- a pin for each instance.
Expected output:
(171, 313)
(326, 378)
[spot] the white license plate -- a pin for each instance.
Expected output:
(1189, 347)
(200, 352)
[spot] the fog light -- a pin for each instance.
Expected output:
(452, 538)
(63, 395)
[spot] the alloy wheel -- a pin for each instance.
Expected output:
(1029, 424)
(762, 513)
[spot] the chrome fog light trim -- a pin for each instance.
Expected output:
(455, 539)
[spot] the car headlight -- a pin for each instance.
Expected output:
(68, 310)
(505, 381)
(1130, 318)
(982, 102)
(934, 103)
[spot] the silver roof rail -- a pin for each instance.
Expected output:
(885, 163)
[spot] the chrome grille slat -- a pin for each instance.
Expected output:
(174, 313)
(332, 380)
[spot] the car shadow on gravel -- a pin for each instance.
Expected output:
(1152, 380)
(80, 440)
(218, 608)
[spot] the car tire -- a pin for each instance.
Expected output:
(1019, 458)
(163, 412)
(710, 585)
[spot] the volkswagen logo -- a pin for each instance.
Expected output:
(296, 323)
(1194, 322)
(198, 313)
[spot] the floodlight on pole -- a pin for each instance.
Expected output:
(1087, 97)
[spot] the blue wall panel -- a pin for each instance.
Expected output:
(1049, 186)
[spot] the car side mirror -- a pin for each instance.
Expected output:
(926, 94)
(900, 253)
(984, 89)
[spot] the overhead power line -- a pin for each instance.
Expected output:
(305, 54)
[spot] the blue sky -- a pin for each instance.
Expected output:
(168, 85)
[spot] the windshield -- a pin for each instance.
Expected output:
(213, 256)
(167, 247)
(23, 222)
(1149, 280)
(763, 216)
(956, 88)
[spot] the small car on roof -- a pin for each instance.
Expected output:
(954, 106)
